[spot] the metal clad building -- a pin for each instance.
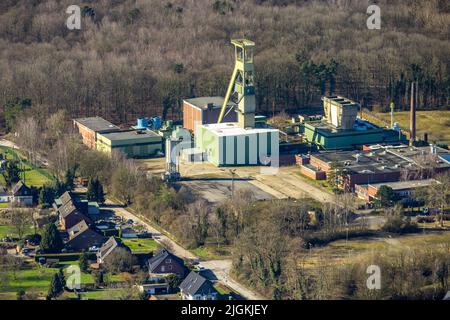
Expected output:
(226, 144)
(133, 143)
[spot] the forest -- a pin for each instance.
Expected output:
(142, 57)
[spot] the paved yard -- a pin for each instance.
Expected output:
(219, 190)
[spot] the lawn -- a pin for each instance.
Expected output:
(35, 278)
(33, 176)
(211, 252)
(9, 231)
(141, 245)
(435, 123)
(100, 294)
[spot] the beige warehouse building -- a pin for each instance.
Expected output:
(133, 143)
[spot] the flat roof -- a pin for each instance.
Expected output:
(385, 159)
(130, 135)
(360, 127)
(97, 124)
(411, 184)
(232, 129)
(202, 102)
(367, 161)
(343, 101)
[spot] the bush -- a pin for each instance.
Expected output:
(399, 224)
(323, 239)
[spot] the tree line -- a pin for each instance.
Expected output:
(128, 59)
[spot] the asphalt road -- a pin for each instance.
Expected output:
(220, 268)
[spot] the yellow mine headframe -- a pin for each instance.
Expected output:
(242, 83)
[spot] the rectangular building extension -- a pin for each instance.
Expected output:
(205, 110)
(90, 127)
(133, 143)
(227, 144)
(402, 189)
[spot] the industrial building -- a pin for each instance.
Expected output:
(227, 133)
(133, 143)
(227, 144)
(386, 164)
(341, 128)
(90, 127)
(402, 189)
(205, 110)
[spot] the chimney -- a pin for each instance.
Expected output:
(413, 113)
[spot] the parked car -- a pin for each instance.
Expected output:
(26, 251)
(130, 221)
(7, 239)
(200, 268)
(94, 249)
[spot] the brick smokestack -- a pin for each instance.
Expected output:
(412, 128)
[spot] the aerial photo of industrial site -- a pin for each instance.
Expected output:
(224, 150)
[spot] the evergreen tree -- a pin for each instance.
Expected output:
(51, 241)
(62, 277)
(56, 287)
(95, 191)
(83, 262)
(11, 173)
(91, 194)
(99, 278)
(46, 196)
(59, 188)
(68, 179)
(100, 193)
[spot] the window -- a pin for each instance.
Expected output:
(168, 260)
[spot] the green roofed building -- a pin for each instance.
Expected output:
(133, 143)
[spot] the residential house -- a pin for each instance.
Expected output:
(70, 215)
(21, 194)
(63, 199)
(108, 248)
(196, 287)
(81, 237)
(165, 263)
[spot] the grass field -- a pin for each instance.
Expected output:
(341, 252)
(211, 252)
(435, 123)
(33, 176)
(141, 245)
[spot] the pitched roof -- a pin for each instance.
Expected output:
(82, 237)
(196, 284)
(67, 209)
(108, 247)
(158, 258)
(20, 189)
(66, 197)
(78, 229)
